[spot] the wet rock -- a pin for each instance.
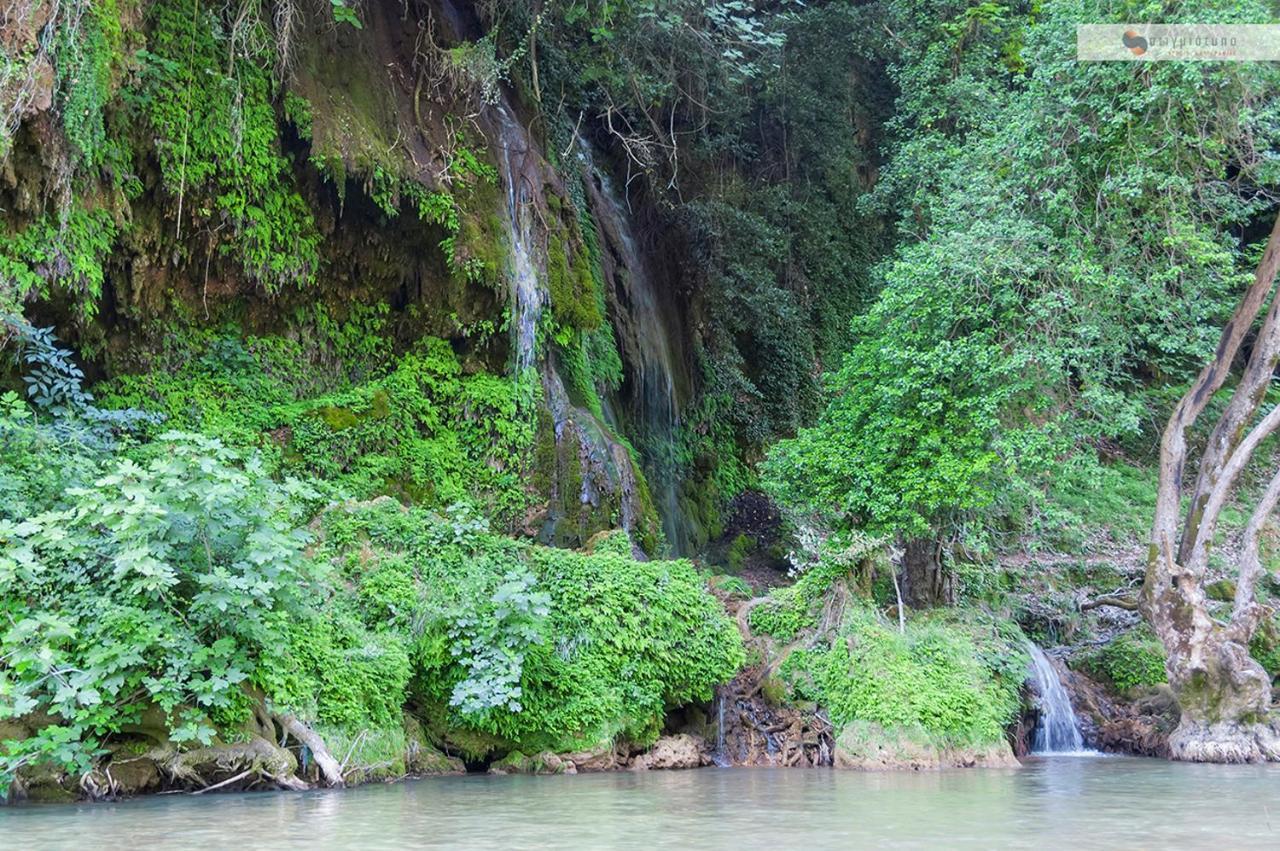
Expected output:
(1137, 724)
(670, 752)
(545, 762)
(603, 757)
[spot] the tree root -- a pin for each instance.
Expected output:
(1225, 742)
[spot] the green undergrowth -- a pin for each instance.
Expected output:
(175, 573)
(952, 678)
(1130, 660)
(419, 428)
(956, 681)
(517, 647)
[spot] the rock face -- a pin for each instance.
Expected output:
(545, 762)
(869, 747)
(679, 751)
(1137, 724)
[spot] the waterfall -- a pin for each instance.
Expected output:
(528, 294)
(649, 349)
(1056, 729)
(719, 757)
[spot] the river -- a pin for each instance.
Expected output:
(1099, 802)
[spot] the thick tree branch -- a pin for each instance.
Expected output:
(1244, 403)
(330, 770)
(1198, 557)
(1129, 604)
(1244, 614)
(1173, 444)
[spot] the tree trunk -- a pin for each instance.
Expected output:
(925, 583)
(1224, 694)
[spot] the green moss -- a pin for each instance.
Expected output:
(1265, 646)
(218, 142)
(956, 683)
(739, 548)
(422, 432)
(1132, 659)
(570, 284)
(337, 419)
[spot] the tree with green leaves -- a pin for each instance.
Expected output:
(1070, 234)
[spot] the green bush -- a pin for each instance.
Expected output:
(957, 683)
(1131, 659)
(154, 578)
(534, 648)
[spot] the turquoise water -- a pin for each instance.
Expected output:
(1078, 803)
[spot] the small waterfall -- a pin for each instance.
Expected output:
(648, 347)
(719, 757)
(1056, 729)
(606, 470)
(528, 294)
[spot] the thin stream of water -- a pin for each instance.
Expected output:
(1057, 731)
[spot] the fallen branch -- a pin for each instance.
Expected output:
(1129, 604)
(242, 775)
(330, 770)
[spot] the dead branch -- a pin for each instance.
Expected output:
(1129, 604)
(330, 770)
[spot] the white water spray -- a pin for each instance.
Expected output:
(1056, 731)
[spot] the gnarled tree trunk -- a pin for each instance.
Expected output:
(1224, 694)
(925, 581)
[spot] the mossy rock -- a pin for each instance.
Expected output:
(865, 746)
(545, 762)
(421, 757)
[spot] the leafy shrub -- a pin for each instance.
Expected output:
(529, 647)
(1131, 659)
(956, 683)
(57, 254)
(156, 580)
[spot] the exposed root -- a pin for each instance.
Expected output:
(1225, 742)
(330, 769)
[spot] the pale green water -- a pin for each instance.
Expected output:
(1077, 803)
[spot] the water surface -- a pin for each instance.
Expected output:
(1078, 802)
